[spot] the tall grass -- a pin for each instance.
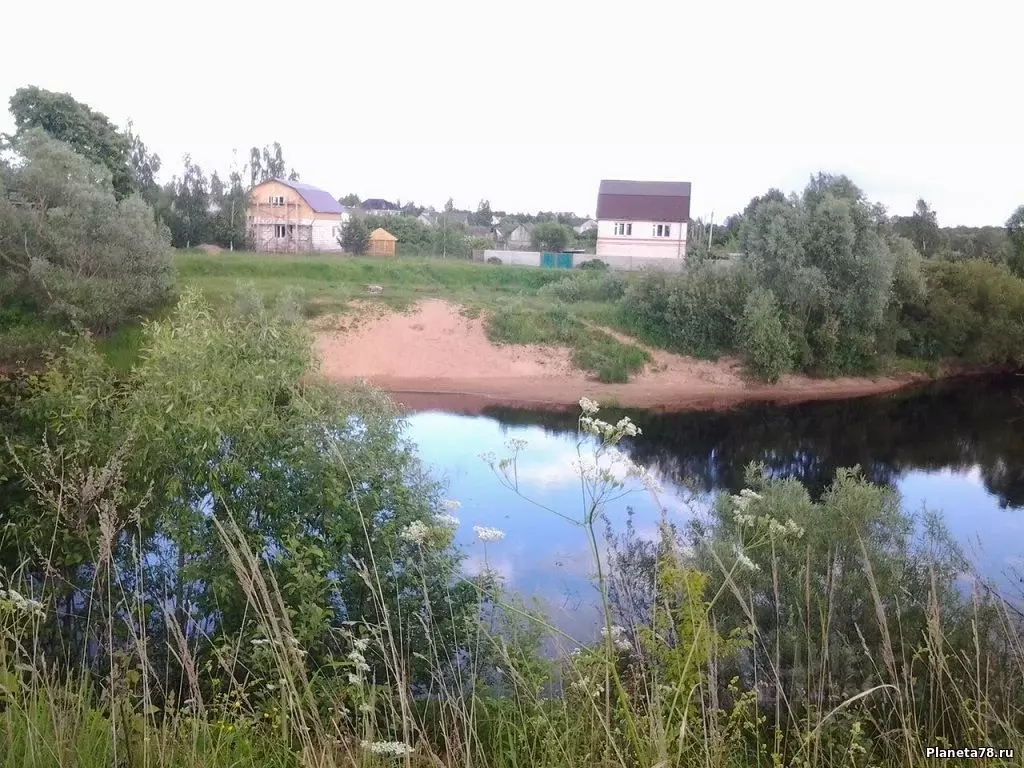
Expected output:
(724, 649)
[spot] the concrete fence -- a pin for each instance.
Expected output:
(618, 263)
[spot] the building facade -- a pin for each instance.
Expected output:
(642, 219)
(289, 217)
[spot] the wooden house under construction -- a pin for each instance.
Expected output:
(288, 217)
(381, 243)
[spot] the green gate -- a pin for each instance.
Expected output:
(553, 260)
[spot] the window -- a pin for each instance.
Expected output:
(662, 230)
(277, 199)
(280, 230)
(623, 228)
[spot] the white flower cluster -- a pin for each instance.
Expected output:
(417, 532)
(486, 534)
(615, 467)
(588, 406)
(358, 661)
(749, 520)
(448, 521)
(388, 748)
(516, 445)
(744, 561)
(609, 433)
(451, 505)
(587, 687)
(22, 604)
(619, 637)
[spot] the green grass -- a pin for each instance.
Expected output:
(517, 311)
(593, 350)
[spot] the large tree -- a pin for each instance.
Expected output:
(551, 236)
(87, 132)
(68, 245)
(1015, 235)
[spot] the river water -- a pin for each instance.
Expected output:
(955, 447)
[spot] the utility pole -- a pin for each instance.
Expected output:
(711, 230)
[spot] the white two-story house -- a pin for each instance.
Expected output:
(642, 219)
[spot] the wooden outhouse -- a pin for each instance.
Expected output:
(381, 243)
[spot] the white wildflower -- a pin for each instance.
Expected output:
(448, 521)
(451, 504)
(361, 644)
(752, 495)
(745, 561)
(627, 427)
(619, 637)
(588, 406)
(417, 532)
(358, 661)
(389, 748)
(354, 679)
(486, 534)
(516, 445)
(364, 707)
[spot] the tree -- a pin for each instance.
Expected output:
(354, 236)
(551, 236)
(145, 166)
(89, 133)
(191, 203)
(921, 228)
(350, 200)
(762, 338)
(268, 163)
(483, 215)
(449, 206)
(1015, 237)
(71, 247)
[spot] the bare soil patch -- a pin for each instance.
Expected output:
(435, 357)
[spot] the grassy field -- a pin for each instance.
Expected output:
(514, 301)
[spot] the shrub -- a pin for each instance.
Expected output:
(763, 338)
(494, 260)
(74, 250)
(593, 264)
(587, 286)
(694, 313)
(974, 310)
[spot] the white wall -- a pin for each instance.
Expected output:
(642, 242)
(325, 235)
(516, 258)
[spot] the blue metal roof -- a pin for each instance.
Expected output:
(318, 199)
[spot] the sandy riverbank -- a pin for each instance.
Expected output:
(434, 357)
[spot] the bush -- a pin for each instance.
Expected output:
(973, 310)
(763, 338)
(587, 286)
(74, 250)
(695, 313)
(594, 264)
(494, 260)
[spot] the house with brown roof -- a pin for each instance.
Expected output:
(642, 219)
(286, 216)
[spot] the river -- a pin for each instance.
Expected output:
(956, 447)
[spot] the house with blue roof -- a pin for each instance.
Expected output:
(290, 217)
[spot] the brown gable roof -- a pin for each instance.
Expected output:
(644, 200)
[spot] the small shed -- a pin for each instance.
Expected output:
(381, 243)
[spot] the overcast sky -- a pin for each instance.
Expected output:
(529, 104)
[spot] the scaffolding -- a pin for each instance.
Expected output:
(277, 227)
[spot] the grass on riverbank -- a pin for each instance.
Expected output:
(517, 308)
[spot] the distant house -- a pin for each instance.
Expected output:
(453, 217)
(480, 231)
(286, 216)
(587, 226)
(520, 237)
(427, 218)
(644, 219)
(381, 243)
(376, 206)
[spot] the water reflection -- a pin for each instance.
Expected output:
(957, 447)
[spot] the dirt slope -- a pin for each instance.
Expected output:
(434, 357)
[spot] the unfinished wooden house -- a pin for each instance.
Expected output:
(288, 217)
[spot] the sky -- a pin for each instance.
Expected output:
(529, 104)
